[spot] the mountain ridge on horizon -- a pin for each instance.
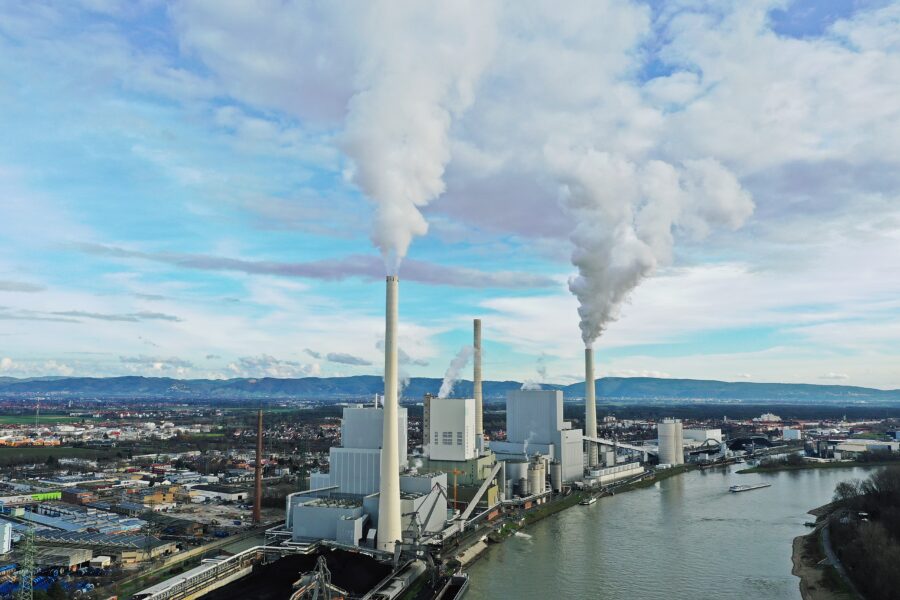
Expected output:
(359, 386)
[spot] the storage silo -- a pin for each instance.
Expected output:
(536, 477)
(671, 442)
(556, 476)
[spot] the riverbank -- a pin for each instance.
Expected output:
(807, 466)
(819, 580)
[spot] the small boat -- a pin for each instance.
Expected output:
(746, 488)
(588, 501)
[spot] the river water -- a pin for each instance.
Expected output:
(685, 537)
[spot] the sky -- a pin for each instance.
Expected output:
(216, 188)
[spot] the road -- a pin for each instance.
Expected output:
(833, 557)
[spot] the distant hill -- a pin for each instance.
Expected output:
(365, 386)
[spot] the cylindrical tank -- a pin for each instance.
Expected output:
(556, 476)
(523, 487)
(671, 444)
(516, 469)
(501, 481)
(536, 478)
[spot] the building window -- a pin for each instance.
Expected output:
(447, 438)
(459, 438)
(436, 441)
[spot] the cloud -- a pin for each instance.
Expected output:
(346, 359)
(20, 286)
(6, 364)
(265, 365)
(129, 317)
(8, 314)
(157, 363)
(212, 357)
(403, 357)
(639, 373)
(335, 269)
(313, 353)
(834, 376)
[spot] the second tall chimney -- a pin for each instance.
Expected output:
(389, 530)
(590, 405)
(257, 500)
(476, 389)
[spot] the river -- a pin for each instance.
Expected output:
(685, 537)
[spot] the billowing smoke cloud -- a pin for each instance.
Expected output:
(627, 215)
(451, 376)
(420, 65)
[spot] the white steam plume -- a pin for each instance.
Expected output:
(458, 363)
(419, 70)
(626, 218)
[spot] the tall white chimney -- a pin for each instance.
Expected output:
(389, 531)
(590, 405)
(476, 389)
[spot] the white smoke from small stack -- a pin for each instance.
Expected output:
(411, 84)
(626, 217)
(451, 376)
(541, 368)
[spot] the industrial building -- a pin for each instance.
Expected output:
(790, 434)
(343, 504)
(535, 425)
(450, 424)
(671, 442)
(450, 428)
(355, 467)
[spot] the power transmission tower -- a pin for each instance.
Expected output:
(26, 572)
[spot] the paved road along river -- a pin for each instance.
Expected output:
(685, 537)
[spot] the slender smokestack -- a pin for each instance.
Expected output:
(257, 500)
(476, 388)
(389, 532)
(590, 405)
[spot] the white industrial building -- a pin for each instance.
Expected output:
(451, 429)
(701, 435)
(356, 465)
(5, 538)
(671, 442)
(791, 434)
(535, 425)
(343, 505)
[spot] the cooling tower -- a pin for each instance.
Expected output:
(389, 530)
(590, 405)
(476, 389)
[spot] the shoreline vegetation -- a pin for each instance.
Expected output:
(854, 548)
(818, 580)
(795, 462)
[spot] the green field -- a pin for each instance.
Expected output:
(47, 419)
(11, 456)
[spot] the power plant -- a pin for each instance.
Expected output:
(416, 508)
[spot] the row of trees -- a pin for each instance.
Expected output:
(867, 536)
